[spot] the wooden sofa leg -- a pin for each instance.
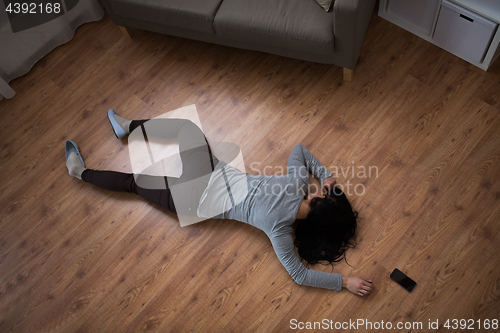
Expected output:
(127, 32)
(348, 74)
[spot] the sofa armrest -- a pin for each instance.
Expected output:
(351, 19)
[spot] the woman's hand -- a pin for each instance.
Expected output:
(357, 285)
(327, 184)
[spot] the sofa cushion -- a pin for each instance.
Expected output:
(196, 15)
(299, 25)
(326, 4)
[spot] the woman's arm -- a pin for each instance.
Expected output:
(285, 250)
(357, 285)
(282, 242)
(301, 160)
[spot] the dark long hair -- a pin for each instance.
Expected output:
(329, 229)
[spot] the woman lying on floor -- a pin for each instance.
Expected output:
(326, 222)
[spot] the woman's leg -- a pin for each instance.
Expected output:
(125, 182)
(197, 160)
(136, 123)
(196, 157)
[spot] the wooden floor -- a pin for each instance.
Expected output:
(74, 258)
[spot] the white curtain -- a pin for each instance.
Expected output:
(21, 49)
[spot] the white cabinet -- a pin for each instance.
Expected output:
(419, 13)
(463, 31)
(467, 28)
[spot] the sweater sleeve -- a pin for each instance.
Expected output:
(300, 157)
(283, 246)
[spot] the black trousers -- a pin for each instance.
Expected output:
(197, 163)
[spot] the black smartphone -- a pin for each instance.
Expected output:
(403, 280)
